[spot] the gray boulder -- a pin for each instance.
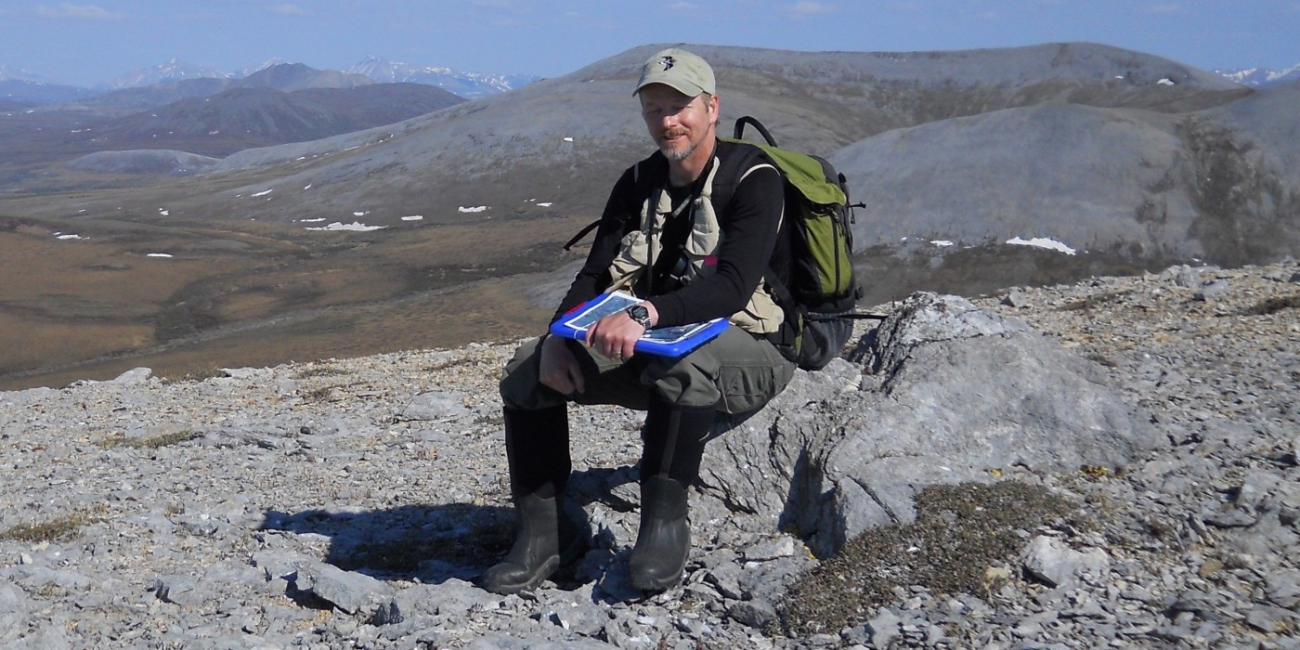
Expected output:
(1052, 561)
(940, 393)
(452, 600)
(349, 591)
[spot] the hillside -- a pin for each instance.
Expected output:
(980, 169)
(817, 102)
(243, 118)
(33, 92)
(7, 105)
(213, 124)
(285, 77)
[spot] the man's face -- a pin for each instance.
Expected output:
(677, 123)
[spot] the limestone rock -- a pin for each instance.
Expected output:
(351, 592)
(1053, 562)
(954, 393)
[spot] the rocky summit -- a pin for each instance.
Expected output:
(1113, 463)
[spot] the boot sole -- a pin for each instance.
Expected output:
(645, 584)
(546, 570)
(648, 583)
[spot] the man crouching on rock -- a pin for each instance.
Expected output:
(691, 230)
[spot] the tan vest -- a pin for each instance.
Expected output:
(760, 316)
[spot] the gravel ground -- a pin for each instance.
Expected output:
(350, 503)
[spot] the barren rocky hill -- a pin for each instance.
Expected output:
(1110, 463)
(241, 118)
(582, 125)
(285, 77)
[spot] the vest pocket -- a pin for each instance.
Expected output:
(760, 316)
(633, 256)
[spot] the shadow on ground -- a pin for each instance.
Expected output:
(427, 542)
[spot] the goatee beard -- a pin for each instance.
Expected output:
(679, 154)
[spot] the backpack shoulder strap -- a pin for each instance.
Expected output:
(735, 160)
(738, 158)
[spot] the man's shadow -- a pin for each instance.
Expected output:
(432, 543)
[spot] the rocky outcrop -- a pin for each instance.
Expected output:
(351, 503)
(941, 393)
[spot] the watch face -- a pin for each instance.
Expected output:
(639, 314)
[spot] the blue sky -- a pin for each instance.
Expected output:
(84, 42)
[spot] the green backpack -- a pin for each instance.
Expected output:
(823, 292)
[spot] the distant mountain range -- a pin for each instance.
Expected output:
(173, 70)
(21, 87)
(466, 84)
(1261, 77)
(205, 117)
(284, 77)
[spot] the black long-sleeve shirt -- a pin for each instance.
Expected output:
(752, 246)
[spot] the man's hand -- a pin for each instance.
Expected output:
(559, 368)
(615, 335)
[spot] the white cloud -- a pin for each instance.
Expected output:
(69, 11)
(806, 9)
(289, 10)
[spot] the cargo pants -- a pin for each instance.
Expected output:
(734, 373)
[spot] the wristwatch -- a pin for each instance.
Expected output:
(640, 314)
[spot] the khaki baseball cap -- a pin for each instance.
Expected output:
(685, 72)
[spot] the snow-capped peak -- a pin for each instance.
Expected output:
(172, 70)
(465, 84)
(1258, 77)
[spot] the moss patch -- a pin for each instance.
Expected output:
(1094, 301)
(152, 442)
(48, 531)
(961, 531)
(1274, 305)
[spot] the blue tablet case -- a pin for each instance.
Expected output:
(664, 341)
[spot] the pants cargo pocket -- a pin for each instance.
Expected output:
(745, 388)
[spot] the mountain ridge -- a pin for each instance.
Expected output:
(21, 85)
(467, 84)
(259, 116)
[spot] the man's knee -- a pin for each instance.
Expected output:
(521, 387)
(736, 374)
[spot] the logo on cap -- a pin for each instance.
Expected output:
(668, 62)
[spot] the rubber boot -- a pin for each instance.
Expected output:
(674, 445)
(537, 448)
(663, 542)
